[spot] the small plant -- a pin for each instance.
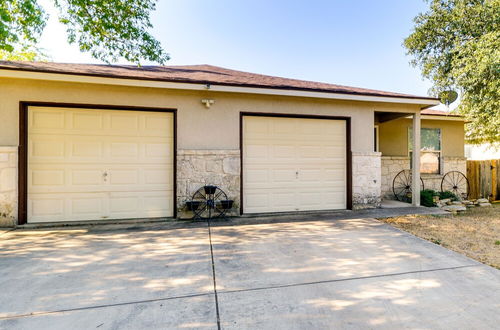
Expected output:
(436, 241)
(497, 242)
(427, 197)
(447, 194)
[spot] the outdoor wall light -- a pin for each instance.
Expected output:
(207, 102)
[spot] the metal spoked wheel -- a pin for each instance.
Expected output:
(401, 186)
(457, 183)
(211, 200)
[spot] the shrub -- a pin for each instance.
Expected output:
(447, 194)
(426, 197)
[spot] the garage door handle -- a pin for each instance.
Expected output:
(297, 175)
(104, 176)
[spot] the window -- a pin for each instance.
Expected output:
(430, 153)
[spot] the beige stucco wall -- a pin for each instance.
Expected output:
(393, 136)
(198, 128)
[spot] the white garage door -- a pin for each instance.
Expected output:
(87, 164)
(293, 164)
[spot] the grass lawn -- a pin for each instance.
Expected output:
(474, 233)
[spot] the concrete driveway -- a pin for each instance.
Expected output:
(356, 273)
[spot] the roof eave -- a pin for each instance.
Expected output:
(441, 117)
(136, 82)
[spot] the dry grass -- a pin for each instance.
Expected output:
(475, 233)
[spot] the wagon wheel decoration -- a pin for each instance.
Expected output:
(457, 183)
(211, 202)
(401, 185)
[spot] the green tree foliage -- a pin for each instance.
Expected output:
(24, 53)
(108, 30)
(456, 43)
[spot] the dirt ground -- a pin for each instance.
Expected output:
(474, 233)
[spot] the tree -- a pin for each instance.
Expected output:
(456, 43)
(108, 30)
(25, 53)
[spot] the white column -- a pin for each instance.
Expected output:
(416, 161)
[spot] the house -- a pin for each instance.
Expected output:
(91, 142)
(485, 151)
(442, 148)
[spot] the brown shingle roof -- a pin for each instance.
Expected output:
(204, 74)
(438, 113)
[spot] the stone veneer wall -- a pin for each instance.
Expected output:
(366, 167)
(391, 166)
(8, 186)
(196, 168)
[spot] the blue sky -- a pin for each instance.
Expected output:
(354, 43)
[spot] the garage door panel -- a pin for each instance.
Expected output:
(256, 176)
(315, 152)
(86, 120)
(47, 177)
(282, 175)
(257, 127)
(43, 119)
(293, 164)
(124, 122)
(86, 149)
(284, 151)
(124, 205)
(47, 205)
(59, 207)
(124, 149)
(153, 204)
(123, 177)
(85, 177)
(83, 164)
(154, 126)
(256, 153)
(310, 175)
(310, 200)
(256, 202)
(84, 206)
(336, 152)
(162, 176)
(283, 200)
(141, 204)
(158, 151)
(284, 127)
(46, 148)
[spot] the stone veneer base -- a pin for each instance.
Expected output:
(366, 178)
(8, 186)
(196, 168)
(392, 165)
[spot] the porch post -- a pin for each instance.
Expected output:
(416, 161)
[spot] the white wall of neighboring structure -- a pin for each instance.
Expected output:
(482, 152)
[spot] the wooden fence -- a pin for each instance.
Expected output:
(484, 179)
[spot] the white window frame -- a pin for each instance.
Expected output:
(422, 151)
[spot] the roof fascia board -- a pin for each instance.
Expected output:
(216, 88)
(437, 117)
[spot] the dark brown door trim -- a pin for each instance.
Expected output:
(23, 146)
(282, 115)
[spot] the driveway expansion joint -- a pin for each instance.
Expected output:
(213, 274)
(17, 316)
(348, 279)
